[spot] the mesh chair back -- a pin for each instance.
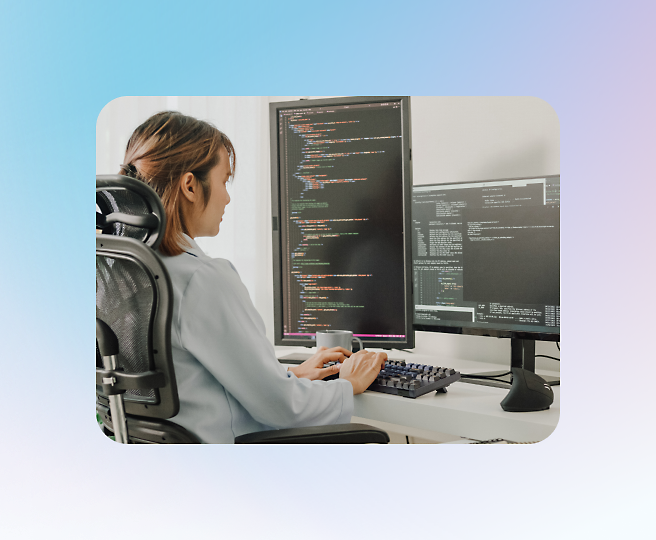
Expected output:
(125, 300)
(133, 290)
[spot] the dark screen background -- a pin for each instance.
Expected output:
(487, 255)
(512, 255)
(342, 220)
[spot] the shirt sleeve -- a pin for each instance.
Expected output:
(222, 329)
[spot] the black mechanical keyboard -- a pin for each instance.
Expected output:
(411, 380)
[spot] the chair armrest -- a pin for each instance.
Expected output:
(335, 434)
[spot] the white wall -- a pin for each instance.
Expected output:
(453, 139)
(456, 139)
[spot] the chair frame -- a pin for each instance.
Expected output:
(159, 346)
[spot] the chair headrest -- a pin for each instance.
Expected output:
(128, 207)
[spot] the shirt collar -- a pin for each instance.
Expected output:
(192, 247)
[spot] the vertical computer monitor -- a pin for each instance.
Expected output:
(341, 195)
(486, 260)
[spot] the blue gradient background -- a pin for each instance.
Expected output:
(592, 61)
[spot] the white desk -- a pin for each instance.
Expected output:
(466, 410)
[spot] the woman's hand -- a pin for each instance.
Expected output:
(313, 368)
(362, 368)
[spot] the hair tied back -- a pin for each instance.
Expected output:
(130, 170)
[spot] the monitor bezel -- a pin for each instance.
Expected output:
(274, 107)
(483, 331)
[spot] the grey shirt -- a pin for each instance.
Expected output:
(229, 379)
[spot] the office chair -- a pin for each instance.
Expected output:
(136, 388)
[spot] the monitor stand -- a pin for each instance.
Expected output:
(522, 354)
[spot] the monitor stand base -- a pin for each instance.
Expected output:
(294, 358)
(522, 355)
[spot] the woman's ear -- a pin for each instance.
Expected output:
(189, 187)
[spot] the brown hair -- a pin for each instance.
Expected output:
(162, 149)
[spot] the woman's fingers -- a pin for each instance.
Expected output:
(342, 350)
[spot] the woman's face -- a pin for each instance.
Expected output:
(209, 221)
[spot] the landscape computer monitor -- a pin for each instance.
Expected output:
(486, 261)
(341, 195)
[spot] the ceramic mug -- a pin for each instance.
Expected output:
(337, 338)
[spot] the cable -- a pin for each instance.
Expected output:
(491, 377)
(546, 356)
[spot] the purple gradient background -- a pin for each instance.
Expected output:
(591, 61)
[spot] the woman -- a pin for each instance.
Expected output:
(229, 379)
